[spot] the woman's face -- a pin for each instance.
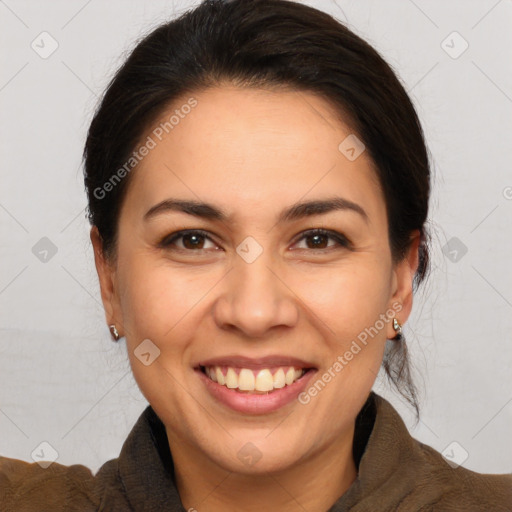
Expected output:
(254, 294)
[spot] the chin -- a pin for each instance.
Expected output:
(256, 459)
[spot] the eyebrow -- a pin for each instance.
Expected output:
(294, 212)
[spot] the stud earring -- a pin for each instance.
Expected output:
(114, 333)
(398, 328)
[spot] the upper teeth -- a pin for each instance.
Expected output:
(258, 380)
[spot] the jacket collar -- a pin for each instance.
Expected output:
(389, 466)
(147, 471)
(147, 477)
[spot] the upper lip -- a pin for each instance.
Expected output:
(238, 361)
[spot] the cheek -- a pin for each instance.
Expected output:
(351, 305)
(347, 298)
(157, 301)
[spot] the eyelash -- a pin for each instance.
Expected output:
(341, 240)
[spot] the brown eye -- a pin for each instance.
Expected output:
(320, 237)
(191, 240)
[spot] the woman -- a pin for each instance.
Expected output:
(258, 188)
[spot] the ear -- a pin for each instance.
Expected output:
(402, 281)
(107, 278)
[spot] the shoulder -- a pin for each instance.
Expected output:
(30, 487)
(462, 488)
(407, 474)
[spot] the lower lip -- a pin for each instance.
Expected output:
(254, 403)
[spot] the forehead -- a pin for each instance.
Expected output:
(253, 147)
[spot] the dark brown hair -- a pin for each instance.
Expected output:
(267, 44)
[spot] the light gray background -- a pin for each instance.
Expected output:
(64, 382)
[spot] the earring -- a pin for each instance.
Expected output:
(398, 328)
(114, 333)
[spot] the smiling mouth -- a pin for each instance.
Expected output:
(260, 381)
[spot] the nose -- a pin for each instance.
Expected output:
(255, 298)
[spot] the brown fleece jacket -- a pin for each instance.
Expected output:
(395, 473)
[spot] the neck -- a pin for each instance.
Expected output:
(313, 484)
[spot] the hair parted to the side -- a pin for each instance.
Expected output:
(268, 44)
